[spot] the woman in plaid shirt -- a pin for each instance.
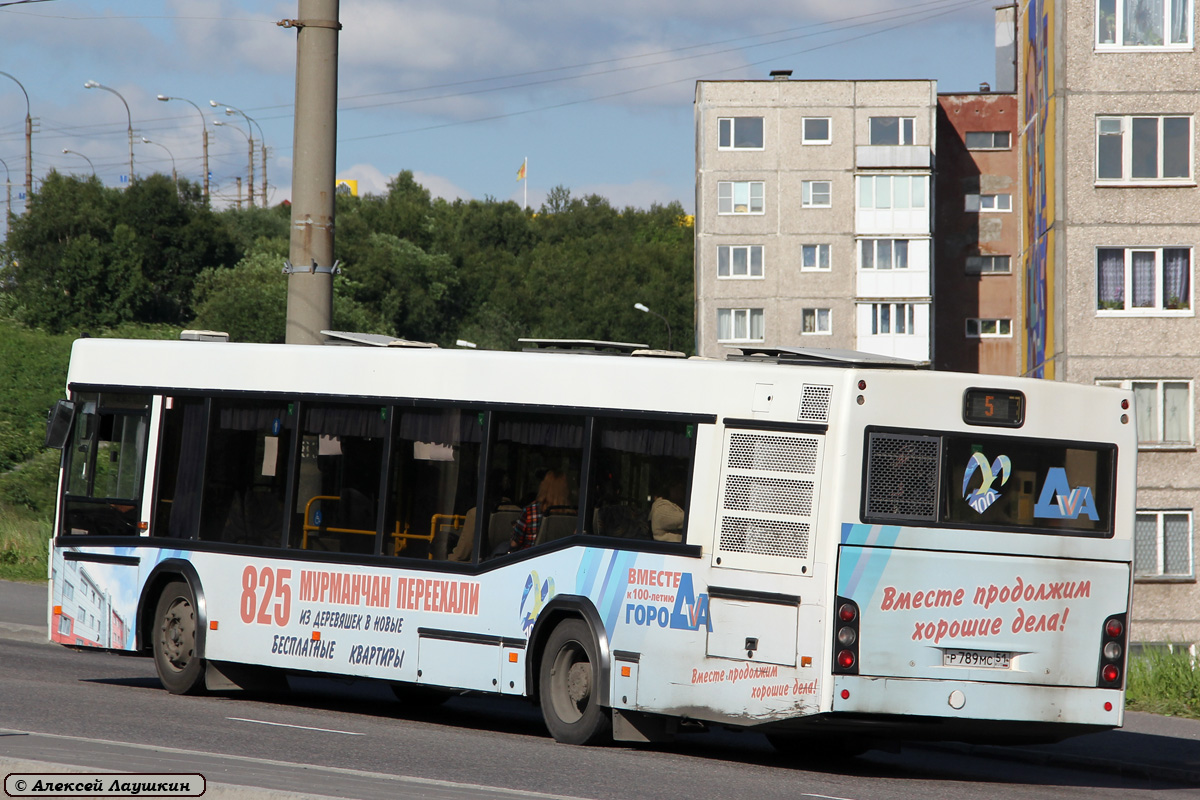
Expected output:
(552, 493)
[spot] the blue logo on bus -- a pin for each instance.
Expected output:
(982, 498)
(1060, 500)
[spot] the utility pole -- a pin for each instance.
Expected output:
(310, 268)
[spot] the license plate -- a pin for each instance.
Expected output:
(985, 659)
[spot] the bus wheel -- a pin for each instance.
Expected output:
(180, 670)
(569, 684)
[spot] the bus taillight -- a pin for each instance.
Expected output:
(845, 638)
(1112, 652)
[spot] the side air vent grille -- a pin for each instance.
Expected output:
(814, 403)
(764, 537)
(758, 451)
(768, 495)
(902, 477)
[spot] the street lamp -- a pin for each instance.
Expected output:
(128, 116)
(262, 140)
(230, 110)
(8, 191)
(204, 129)
(174, 176)
(642, 307)
(220, 124)
(85, 158)
(28, 140)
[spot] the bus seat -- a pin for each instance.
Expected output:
(500, 528)
(556, 526)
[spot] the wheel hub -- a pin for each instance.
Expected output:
(579, 682)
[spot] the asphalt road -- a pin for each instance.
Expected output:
(353, 739)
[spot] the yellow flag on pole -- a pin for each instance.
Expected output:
(521, 171)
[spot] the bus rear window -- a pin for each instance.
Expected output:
(990, 482)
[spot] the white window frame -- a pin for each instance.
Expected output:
(823, 257)
(870, 185)
(728, 192)
(975, 264)
(988, 203)
(749, 250)
(892, 316)
(989, 328)
(1187, 414)
(872, 245)
(809, 194)
(733, 133)
(1112, 125)
(1117, 9)
(747, 317)
(906, 128)
(1007, 140)
(1159, 308)
(1160, 546)
(804, 138)
(822, 321)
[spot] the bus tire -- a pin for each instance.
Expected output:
(569, 682)
(179, 666)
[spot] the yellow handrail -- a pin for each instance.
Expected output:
(399, 537)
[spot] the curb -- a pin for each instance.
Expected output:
(1186, 775)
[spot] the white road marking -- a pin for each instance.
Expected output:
(285, 725)
(826, 797)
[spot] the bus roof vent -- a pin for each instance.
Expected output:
(902, 477)
(588, 346)
(821, 356)
(814, 403)
(203, 336)
(373, 340)
(659, 354)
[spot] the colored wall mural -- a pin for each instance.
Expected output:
(1038, 141)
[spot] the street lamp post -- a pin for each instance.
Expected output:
(85, 158)
(204, 128)
(28, 140)
(229, 110)
(262, 141)
(220, 124)
(8, 200)
(174, 175)
(128, 116)
(642, 307)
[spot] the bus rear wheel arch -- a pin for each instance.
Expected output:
(175, 642)
(569, 685)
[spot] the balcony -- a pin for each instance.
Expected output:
(892, 156)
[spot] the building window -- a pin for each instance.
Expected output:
(815, 130)
(68, 591)
(739, 324)
(740, 197)
(814, 257)
(1162, 544)
(989, 328)
(816, 194)
(1143, 23)
(893, 318)
(891, 191)
(989, 202)
(1164, 410)
(740, 261)
(891, 130)
(989, 265)
(64, 625)
(740, 133)
(883, 253)
(1137, 149)
(1144, 279)
(815, 321)
(987, 140)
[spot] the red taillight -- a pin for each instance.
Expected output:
(845, 659)
(847, 612)
(1114, 628)
(1110, 673)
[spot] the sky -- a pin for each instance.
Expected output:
(596, 95)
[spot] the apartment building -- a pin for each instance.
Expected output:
(1109, 93)
(814, 214)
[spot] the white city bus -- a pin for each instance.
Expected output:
(828, 547)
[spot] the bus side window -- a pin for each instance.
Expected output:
(104, 465)
(180, 468)
(245, 477)
(337, 492)
(435, 466)
(640, 472)
(541, 455)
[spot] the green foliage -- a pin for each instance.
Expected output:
(24, 545)
(32, 484)
(1163, 681)
(33, 375)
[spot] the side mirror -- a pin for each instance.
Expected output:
(58, 424)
